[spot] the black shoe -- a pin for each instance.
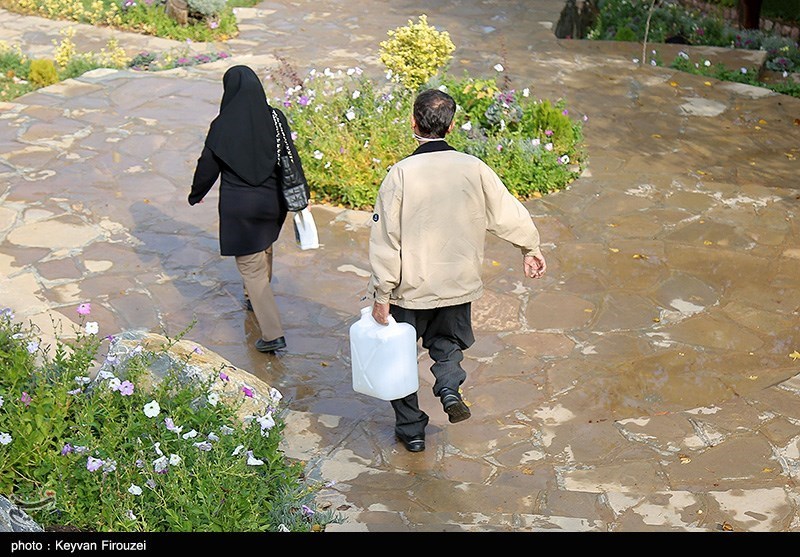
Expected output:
(248, 304)
(271, 345)
(457, 410)
(413, 444)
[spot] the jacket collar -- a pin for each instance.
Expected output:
(433, 147)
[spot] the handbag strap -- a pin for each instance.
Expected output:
(280, 135)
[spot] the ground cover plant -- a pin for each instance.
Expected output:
(93, 442)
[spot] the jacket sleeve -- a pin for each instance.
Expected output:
(297, 161)
(507, 217)
(205, 174)
(385, 238)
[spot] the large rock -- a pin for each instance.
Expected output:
(195, 364)
(14, 519)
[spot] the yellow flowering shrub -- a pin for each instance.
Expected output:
(43, 72)
(65, 50)
(416, 52)
(113, 56)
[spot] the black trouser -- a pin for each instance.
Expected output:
(445, 333)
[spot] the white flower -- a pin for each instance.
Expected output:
(653, 63)
(33, 346)
(318, 154)
(253, 461)
(226, 430)
(351, 71)
(190, 434)
(1, 401)
(526, 92)
(213, 437)
(564, 159)
(350, 114)
(114, 383)
(466, 126)
(356, 94)
(157, 447)
(683, 55)
(109, 465)
(203, 445)
(213, 398)
(102, 374)
(174, 459)
(498, 67)
(81, 380)
(549, 146)
(129, 514)
(743, 70)
(389, 75)
(283, 528)
(536, 141)
(266, 423)
(92, 327)
(152, 409)
(635, 60)
(5, 438)
(706, 63)
(327, 164)
(160, 465)
(785, 73)
(135, 490)
(237, 450)
(442, 88)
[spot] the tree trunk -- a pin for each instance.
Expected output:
(749, 12)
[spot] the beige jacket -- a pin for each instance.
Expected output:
(429, 228)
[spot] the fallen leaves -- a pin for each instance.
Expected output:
(795, 355)
(639, 256)
(684, 459)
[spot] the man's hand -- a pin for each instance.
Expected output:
(533, 266)
(380, 313)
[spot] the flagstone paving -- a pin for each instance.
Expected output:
(645, 384)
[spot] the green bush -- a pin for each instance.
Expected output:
(415, 53)
(42, 73)
(350, 130)
(121, 452)
(207, 8)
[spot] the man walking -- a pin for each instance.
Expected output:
(426, 251)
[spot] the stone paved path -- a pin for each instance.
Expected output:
(644, 385)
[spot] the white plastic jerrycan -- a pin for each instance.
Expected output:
(384, 357)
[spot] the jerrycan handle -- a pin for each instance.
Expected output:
(366, 313)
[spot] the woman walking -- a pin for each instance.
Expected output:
(241, 150)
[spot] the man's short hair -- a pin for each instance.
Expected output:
(434, 111)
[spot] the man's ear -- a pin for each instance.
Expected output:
(452, 125)
(413, 123)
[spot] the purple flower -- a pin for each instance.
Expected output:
(223, 54)
(150, 483)
(74, 391)
(224, 376)
(213, 24)
(303, 100)
(93, 464)
(306, 511)
(85, 309)
(25, 398)
(67, 449)
(247, 391)
(126, 388)
(287, 103)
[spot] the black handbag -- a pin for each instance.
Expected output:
(293, 183)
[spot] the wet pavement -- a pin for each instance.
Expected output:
(645, 384)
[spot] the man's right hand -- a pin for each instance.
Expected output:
(533, 266)
(380, 313)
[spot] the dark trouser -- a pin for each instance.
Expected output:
(445, 333)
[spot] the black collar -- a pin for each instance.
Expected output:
(432, 147)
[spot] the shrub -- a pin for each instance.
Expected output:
(42, 72)
(121, 452)
(349, 131)
(207, 8)
(415, 53)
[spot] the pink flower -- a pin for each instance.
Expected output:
(85, 309)
(126, 388)
(548, 133)
(25, 398)
(565, 112)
